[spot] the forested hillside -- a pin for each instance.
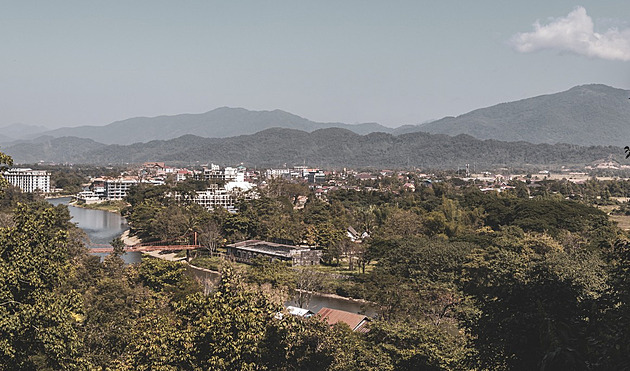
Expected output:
(325, 148)
(584, 115)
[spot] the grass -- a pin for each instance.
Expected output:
(113, 206)
(342, 269)
(213, 263)
(623, 221)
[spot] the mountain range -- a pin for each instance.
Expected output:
(218, 123)
(331, 147)
(584, 115)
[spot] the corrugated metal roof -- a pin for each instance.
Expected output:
(356, 322)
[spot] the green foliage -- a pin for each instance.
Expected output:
(227, 327)
(332, 147)
(38, 318)
(161, 275)
(5, 162)
(421, 346)
(460, 280)
(534, 303)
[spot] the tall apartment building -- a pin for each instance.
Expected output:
(29, 180)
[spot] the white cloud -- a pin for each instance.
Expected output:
(575, 33)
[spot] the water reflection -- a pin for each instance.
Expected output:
(100, 226)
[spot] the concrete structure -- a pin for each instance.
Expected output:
(246, 251)
(88, 197)
(214, 197)
(183, 174)
(316, 177)
(117, 188)
(29, 180)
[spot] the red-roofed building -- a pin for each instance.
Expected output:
(357, 322)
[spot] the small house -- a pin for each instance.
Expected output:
(357, 322)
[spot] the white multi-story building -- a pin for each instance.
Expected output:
(29, 180)
(214, 197)
(116, 189)
(277, 173)
(216, 174)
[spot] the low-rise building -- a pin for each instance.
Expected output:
(29, 180)
(88, 197)
(247, 251)
(357, 322)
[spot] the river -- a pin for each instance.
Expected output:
(103, 226)
(99, 225)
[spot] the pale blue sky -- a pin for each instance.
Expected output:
(68, 63)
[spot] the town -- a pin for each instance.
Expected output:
(356, 249)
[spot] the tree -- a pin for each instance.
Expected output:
(226, 328)
(210, 235)
(306, 282)
(5, 162)
(38, 317)
(534, 304)
(417, 345)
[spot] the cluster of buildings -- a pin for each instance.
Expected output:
(310, 175)
(226, 184)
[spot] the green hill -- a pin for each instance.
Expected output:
(584, 115)
(331, 147)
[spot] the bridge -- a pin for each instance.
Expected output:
(180, 243)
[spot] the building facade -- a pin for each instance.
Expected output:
(214, 197)
(29, 180)
(116, 189)
(247, 251)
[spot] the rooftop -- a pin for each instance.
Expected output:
(268, 248)
(357, 322)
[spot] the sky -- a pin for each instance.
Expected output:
(70, 63)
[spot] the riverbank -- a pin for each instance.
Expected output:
(129, 240)
(110, 206)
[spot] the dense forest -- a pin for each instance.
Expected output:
(534, 278)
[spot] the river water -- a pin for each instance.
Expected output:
(100, 226)
(103, 226)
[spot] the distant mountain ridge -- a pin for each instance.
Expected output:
(218, 123)
(331, 147)
(584, 115)
(18, 131)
